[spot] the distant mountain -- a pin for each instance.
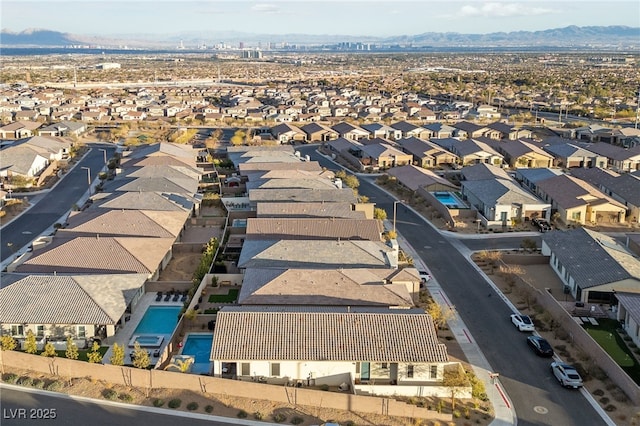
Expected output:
(571, 36)
(568, 36)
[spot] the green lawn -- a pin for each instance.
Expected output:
(230, 297)
(608, 338)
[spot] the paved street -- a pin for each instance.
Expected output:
(536, 397)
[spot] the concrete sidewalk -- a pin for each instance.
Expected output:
(503, 408)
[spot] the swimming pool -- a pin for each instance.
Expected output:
(199, 345)
(158, 320)
(450, 200)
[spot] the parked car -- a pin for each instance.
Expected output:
(424, 276)
(567, 375)
(541, 224)
(540, 346)
(522, 322)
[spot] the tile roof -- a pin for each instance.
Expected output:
(344, 195)
(262, 166)
(568, 191)
(484, 171)
(347, 287)
(314, 254)
(415, 177)
(135, 200)
(315, 336)
(499, 192)
(124, 223)
(154, 184)
(537, 174)
(57, 299)
(302, 210)
(592, 258)
(313, 228)
(106, 255)
(293, 183)
(631, 303)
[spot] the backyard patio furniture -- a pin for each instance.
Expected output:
(159, 296)
(167, 297)
(176, 297)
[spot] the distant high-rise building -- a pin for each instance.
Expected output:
(242, 45)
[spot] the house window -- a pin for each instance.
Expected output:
(410, 371)
(17, 330)
(275, 369)
(40, 330)
(575, 216)
(384, 366)
(245, 369)
(433, 372)
(82, 332)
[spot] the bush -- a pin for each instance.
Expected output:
(242, 414)
(610, 408)
(38, 384)
(158, 402)
(10, 378)
(125, 397)
(208, 408)
(279, 417)
(175, 403)
(604, 400)
(110, 394)
(192, 406)
(324, 387)
(297, 420)
(598, 392)
(54, 386)
(26, 381)
(258, 415)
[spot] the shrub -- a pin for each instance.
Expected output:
(258, 415)
(604, 400)
(54, 386)
(10, 378)
(598, 392)
(175, 403)
(125, 397)
(279, 417)
(110, 394)
(456, 414)
(598, 373)
(26, 381)
(192, 406)
(158, 402)
(610, 408)
(242, 414)
(297, 420)
(324, 387)
(208, 408)
(38, 384)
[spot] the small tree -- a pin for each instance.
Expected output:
(8, 343)
(438, 315)
(191, 314)
(49, 350)
(140, 357)
(454, 379)
(379, 213)
(182, 365)
(72, 349)
(94, 356)
(117, 355)
(30, 345)
(529, 244)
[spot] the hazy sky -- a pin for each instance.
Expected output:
(333, 17)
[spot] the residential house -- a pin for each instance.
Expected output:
(619, 159)
(19, 130)
(529, 178)
(503, 202)
(285, 133)
(411, 130)
(624, 188)
(471, 151)
(521, 154)
(22, 160)
(628, 314)
(484, 112)
(379, 130)
(317, 132)
(382, 156)
(312, 210)
(426, 153)
(569, 156)
(483, 171)
(439, 130)
(468, 130)
(499, 130)
(393, 288)
(349, 131)
(333, 348)
(63, 129)
(56, 306)
(313, 229)
(576, 201)
(415, 178)
(592, 266)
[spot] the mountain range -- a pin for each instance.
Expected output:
(571, 36)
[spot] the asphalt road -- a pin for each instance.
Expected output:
(53, 205)
(536, 396)
(20, 408)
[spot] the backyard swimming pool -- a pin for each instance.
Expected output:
(199, 346)
(158, 320)
(450, 200)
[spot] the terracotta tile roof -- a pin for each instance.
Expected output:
(302, 210)
(391, 337)
(314, 229)
(125, 223)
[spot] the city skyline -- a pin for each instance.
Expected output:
(353, 18)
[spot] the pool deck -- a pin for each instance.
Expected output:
(125, 332)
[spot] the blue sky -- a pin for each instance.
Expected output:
(331, 17)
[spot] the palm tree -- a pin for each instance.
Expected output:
(183, 364)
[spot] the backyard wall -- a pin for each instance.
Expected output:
(142, 379)
(440, 208)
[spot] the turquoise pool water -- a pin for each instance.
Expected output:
(199, 345)
(449, 200)
(158, 320)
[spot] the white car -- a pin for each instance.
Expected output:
(424, 276)
(522, 322)
(567, 375)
